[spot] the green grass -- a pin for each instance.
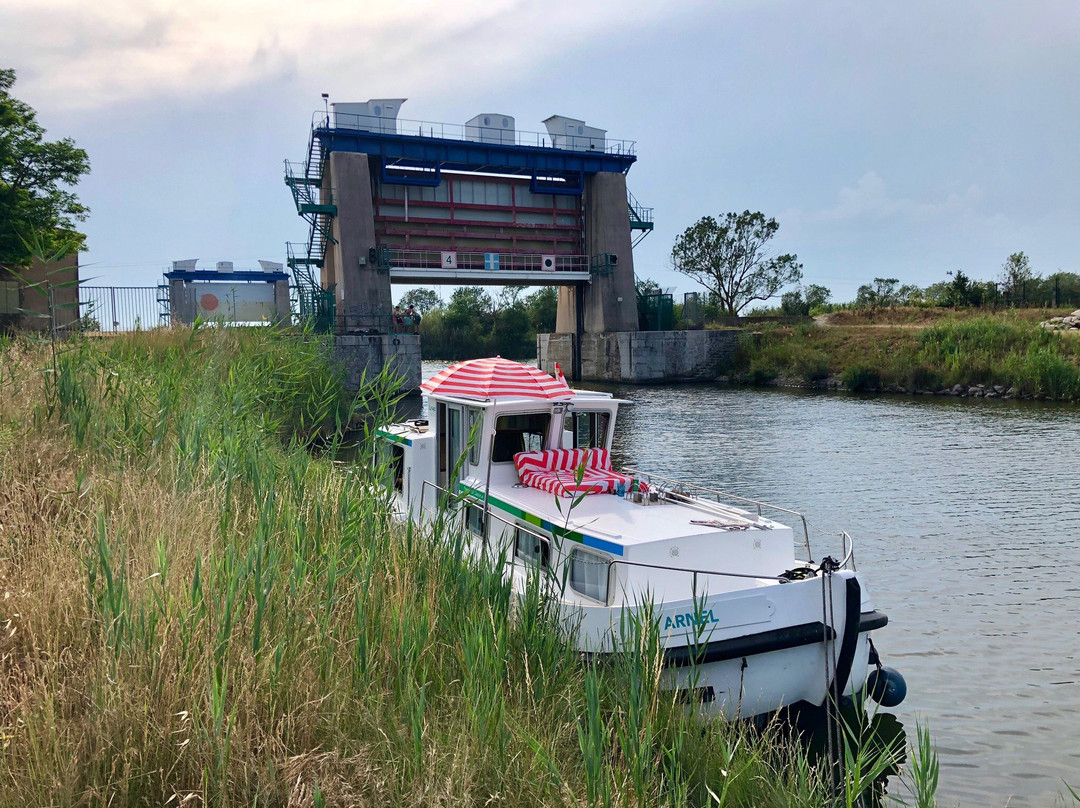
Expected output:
(198, 609)
(991, 350)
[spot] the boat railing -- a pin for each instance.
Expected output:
(695, 491)
(609, 563)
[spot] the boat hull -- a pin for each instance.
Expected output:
(810, 642)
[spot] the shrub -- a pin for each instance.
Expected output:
(812, 365)
(861, 377)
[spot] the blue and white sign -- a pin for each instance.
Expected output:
(491, 260)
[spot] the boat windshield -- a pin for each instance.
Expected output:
(588, 430)
(520, 432)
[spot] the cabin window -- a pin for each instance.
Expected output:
(589, 574)
(397, 466)
(531, 548)
(451, 445)
(474, 519)
(476, 418)
(390, 461)
(524, 432)
(589, 429)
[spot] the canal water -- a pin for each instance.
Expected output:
(966, 520)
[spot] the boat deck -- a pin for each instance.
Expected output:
(649, 532)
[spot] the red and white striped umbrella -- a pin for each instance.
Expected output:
(489, 378)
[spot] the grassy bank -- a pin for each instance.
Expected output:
(197, 609)
(917, 355)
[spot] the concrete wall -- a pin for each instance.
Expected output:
(360, 353)
(31, 295)
(610, 300)
(642, 357)
(363, 290)
(282, 305)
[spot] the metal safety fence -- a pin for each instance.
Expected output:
(122, 308)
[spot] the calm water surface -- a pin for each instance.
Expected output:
(966, 517)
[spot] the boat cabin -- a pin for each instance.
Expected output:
(521, 461)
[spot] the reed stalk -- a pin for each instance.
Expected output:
(204, 600)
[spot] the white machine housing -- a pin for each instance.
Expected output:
(573, 134)
(376, 115)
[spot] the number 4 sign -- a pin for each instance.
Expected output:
(449, 260)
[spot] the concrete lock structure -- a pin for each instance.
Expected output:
(227, 295)
(395, 201)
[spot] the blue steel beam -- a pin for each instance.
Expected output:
(462, 155)
(235, 275)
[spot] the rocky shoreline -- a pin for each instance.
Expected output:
(835, 384)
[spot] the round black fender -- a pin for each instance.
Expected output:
(886, 686)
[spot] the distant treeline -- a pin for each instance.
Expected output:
(1018, 286)
(475, 324)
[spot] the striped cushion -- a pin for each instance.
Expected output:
(554, 470)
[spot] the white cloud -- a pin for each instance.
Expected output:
(869, 200)
(74, 54)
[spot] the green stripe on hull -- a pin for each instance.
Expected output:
(392, 437)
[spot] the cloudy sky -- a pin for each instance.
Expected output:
(898, 138)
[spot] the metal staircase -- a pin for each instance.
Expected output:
(305, 181)
(641, 218)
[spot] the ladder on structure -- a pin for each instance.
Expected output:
(315, 303)
(641, 218)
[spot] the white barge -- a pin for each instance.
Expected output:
(746, 625)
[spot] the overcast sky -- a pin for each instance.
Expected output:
(890, 139)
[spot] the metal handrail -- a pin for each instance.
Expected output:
(514, 262)
(726, 495)
(458, 131)
(611, 562)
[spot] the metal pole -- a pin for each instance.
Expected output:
(115, 322)
(579, 330)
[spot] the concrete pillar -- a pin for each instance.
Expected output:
(363, 289)
(282, 308)
(610, 300)
(182, 305)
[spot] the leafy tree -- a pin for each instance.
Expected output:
(33, 171)
(509, 296)
(802, 301)
(646, 287)
(961, 290)
(730, 259)
(1058, 289)
(513, 336)
(1016, 274)
(424, 301)
(543, 306)
(793, 303)
(910, 294)
(817, 296)
(882, 294)
(470, 304)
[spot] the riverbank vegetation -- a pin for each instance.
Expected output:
(202, 605)
(1007, 354)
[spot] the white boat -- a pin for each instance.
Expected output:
(747, 624)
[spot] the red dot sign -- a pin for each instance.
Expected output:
(208, 302)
